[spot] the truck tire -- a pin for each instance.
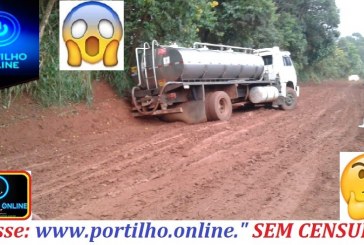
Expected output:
(290, 102)
(218, 106)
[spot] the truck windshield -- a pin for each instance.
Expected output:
(268, 60)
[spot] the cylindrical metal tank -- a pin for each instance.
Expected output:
(177, 64)
(263, 94)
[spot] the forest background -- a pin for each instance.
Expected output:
(306, 28)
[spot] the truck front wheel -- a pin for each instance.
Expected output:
(290, 102)
(218, 106)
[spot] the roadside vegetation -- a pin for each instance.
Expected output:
(307, 28)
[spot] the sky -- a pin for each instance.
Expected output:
(351, 16)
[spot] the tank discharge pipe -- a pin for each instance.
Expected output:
(149, 113)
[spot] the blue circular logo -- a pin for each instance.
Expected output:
(4, 187)
(9, 29)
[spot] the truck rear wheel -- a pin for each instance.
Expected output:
(218, 106)
(290, 101)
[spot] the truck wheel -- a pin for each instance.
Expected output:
(290, 101)
(218, 106)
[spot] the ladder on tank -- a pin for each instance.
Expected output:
(144, 69)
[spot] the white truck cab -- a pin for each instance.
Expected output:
(279, 66)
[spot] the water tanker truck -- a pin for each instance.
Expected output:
(203, 83)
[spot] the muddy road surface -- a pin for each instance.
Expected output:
(99, 162)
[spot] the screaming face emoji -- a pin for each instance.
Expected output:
(352, 187)
(92, 32)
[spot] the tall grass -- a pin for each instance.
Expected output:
(57, 87)
(119, 80)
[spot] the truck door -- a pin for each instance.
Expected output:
(288, 73)
(268, 66)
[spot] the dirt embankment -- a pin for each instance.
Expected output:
(98, 162)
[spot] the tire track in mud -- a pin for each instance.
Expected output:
(180, 204)
(104, 166)
(199, 154)
(314, 138)
(154, 171)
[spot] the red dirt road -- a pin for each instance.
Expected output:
(98, 162)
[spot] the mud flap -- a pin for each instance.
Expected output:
(193, 112)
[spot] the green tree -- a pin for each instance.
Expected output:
(358, 40)
(336, 65)
(166, 21)
(245, 23)
(314, 27)
(354, 61)
(292, 38)
(318, 20)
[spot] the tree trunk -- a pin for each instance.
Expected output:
(45, 18)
